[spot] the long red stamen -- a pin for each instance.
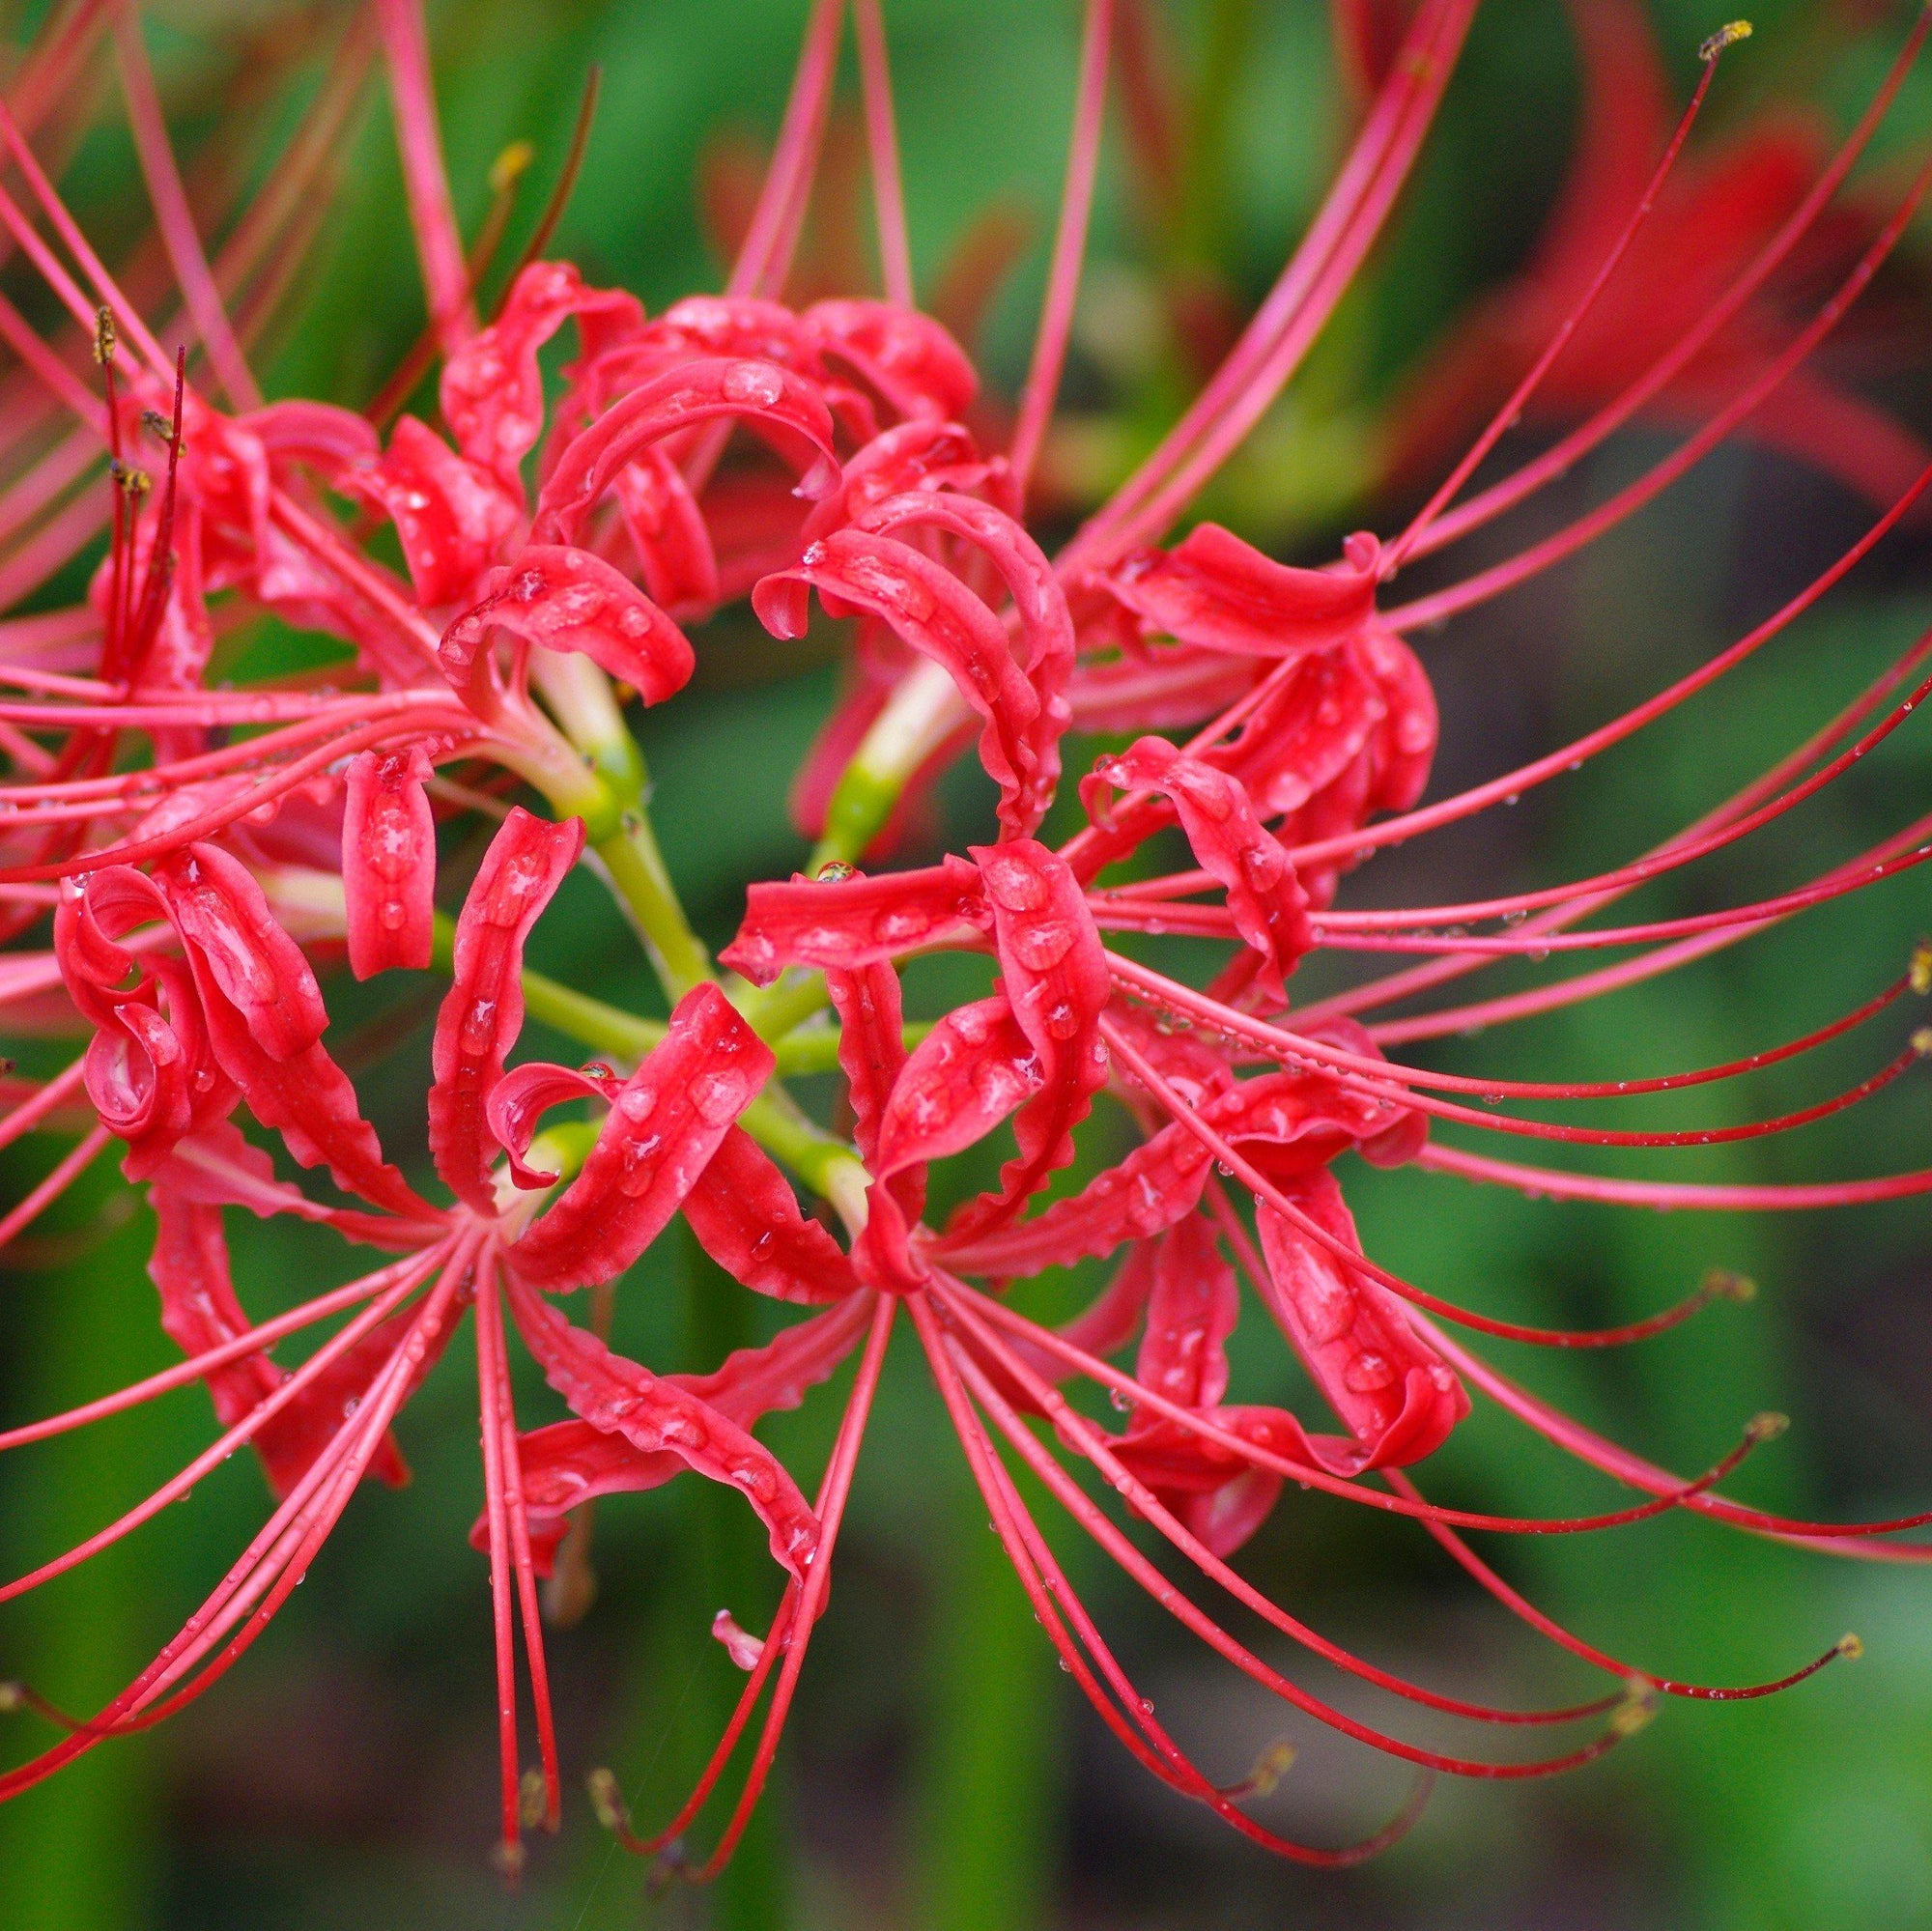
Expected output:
(1069, 247)
(1507, 415)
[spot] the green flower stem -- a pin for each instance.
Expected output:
(610, 799)
(825, 1163)
(815, 1049)
(773, 1010)
(921, 715)
(635, 866)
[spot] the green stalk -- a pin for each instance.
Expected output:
(78, 1852)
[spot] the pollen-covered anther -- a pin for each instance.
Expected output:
(1766, 1426)
(607, 1801)
(1270, 1767)
(1630, 1717)
(1918, 974)
(136, 482)
(13, 1699)
(509, 1857)
(1850, 1646)
(105, 337)
(1921, 1043)
(1725, 1283)
(1726, 37)
(510, 166)
(532, 1799)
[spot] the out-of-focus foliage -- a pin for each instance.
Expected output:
(939, 1774)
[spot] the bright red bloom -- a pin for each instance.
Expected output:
(731, 446)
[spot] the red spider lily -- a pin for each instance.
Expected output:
(550, 551)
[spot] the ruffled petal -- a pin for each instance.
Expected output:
(846, 925)
(665, 1122)
(1394, 1393)
(1213, 590)
(940, 617)
(1269, 908)
(1054, 973)
(907, 357)
(389, 861)
(483, 1011)
(621, 1397)
(747, 1218)
(492, 390)
(451, 517)
(785, 409)
(569, 600)
(1046, 629)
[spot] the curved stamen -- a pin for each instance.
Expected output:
(1294, 1049)
(1131, 1718)
(1553, 463)
(1505, 418)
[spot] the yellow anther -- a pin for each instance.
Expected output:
(1921, 1043)
(1918, 974)
(1850, 1647)
(1767, 1426)
(1628, 1719)
(103, 336)
(1270, 1767)
(532, 1799)
(606, 1800)
(512, 162)
(1726, 37)
(1723, 1284)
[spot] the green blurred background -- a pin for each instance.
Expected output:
(941, 1770)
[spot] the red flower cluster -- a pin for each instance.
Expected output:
(731, 446)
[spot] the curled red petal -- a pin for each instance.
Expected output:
(667, 530)
(149, 1069)
(483, 1010)
(451, 517)
(569, 600)
(745, 1217)
(908, 358)
(572, 1461)
(942, 618)
(492, 390)
(522, 1097)
(1269, 908)
(1190, 1315)
(1289, 1124)
(223, 918)
(621, 1397)
(1395, 1393)
(1046, 629)
(847, 924)
(1054, 973)
(1305, 735)
(389, 861)
(665, 1122)
(1214, 591)
(871, 1044)
(1404, 746)
(783, 407)
(919, 455)
(969, 1072)
(972, 1070)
